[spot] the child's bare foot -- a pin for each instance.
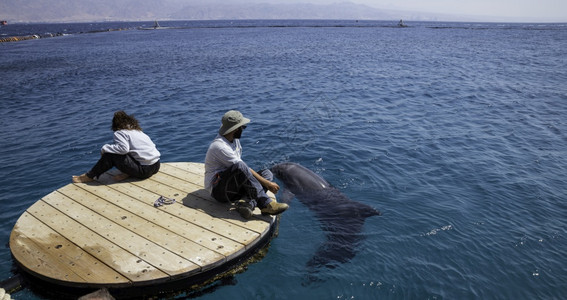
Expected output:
(120, 177)
(82, 178)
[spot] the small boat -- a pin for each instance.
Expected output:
(155, 26)
(401, 24)
(3, 22)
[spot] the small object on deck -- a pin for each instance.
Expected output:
(163, 200)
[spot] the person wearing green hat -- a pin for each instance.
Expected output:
(228, 178)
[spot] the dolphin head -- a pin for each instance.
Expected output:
(298, 178)
(282, 170)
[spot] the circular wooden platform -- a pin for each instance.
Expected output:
(109, 234)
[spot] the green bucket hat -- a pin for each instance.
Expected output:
(231, 120)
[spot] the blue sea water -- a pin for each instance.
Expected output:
(457, 132)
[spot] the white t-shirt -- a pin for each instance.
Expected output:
(135, 143)
(221, 155)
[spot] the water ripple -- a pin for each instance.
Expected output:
(457, 135)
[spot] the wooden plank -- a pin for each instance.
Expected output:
(129, 196)
(123, 262)
(188, 241)
(193, 173)
(152, 252)
(192, 167)
(163, 185)
(195, 176)
(164, 180)
(109, 233)
(215, 209)
(42, 250)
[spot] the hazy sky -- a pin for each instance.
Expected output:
(489, 10)
(555, 10)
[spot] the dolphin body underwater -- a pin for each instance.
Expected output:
(341, 218)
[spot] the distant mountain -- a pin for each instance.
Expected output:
(343, 10)
(143, 10)
(82, 11)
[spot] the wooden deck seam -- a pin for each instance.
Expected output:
(174, 235)
(229, 220)
(166, 170)
(124, 274)
(118, 244)
(189, 171)
(109, 234)
(166, 208)
(207, 199)
(52, 256)
(200, 190)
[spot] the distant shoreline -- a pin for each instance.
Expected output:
(12, 23)
(26, 31)
(37, 36)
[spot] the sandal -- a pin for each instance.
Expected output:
(163, 200)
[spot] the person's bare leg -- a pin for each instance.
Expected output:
(82, 178)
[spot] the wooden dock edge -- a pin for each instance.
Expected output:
(46, 287)
(182, 282)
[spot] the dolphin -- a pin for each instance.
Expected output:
(341, 218)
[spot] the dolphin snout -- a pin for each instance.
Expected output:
(279, 170)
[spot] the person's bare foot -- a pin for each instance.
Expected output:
(120, 177)
(82, 178)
